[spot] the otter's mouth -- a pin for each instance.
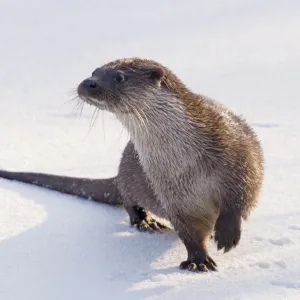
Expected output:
(94, 102)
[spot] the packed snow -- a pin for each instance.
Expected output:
(245, 54)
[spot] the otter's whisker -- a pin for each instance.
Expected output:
(97, 115)
(114, 109)
(70, 100)
(140, 117)
(94, 117)
(131, 115)
(78, 108)
(120, 135)
(142, 111)
(127, 110)
(135, 114)
(145, 103)
(72, 91)
(103, 127)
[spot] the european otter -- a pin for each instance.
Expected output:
(189, 160)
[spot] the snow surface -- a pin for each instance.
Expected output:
(57, 247)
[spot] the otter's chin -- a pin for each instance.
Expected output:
(95, 102)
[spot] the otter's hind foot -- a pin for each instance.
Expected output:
(144, 221)
(150, 226)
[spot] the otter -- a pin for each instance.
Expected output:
(190, 160)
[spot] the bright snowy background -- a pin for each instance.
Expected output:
(56, 247)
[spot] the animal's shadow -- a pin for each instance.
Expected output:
(86, 254)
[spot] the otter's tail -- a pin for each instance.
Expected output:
(99, 190)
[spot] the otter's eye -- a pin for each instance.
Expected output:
(119, 78)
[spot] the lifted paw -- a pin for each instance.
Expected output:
(227, 232)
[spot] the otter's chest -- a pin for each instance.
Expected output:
(172, 174)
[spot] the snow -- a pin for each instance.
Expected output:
(246, 54)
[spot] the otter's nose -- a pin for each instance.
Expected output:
(89, 87)
(90, 84)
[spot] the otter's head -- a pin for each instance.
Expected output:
(122, 85)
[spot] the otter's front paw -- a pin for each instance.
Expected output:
(227, 231)
(199, 263)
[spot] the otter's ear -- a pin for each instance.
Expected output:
(156, 74)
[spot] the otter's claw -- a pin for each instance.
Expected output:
(144, 221)
(150, 225)
(206, 265)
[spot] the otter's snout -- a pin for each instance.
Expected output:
(89, 87)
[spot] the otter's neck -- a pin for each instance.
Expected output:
(165, 139)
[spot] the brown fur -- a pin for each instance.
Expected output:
(193, 162)
(205, 115)
(198, 143)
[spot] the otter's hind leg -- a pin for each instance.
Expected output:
(137, 194)
(143, 220)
